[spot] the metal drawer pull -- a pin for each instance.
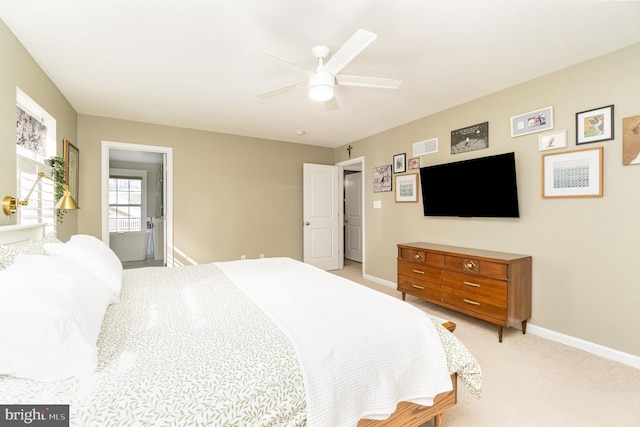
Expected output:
(475, 285)
(418, 287)
(470, 265)
(468, 301)
(418, 271)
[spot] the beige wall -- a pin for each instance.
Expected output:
(233, 195)
(585, 251)
(20, 70)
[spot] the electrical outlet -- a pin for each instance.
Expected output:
(243, 257)
(261, 255)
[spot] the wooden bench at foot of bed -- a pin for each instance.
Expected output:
(413, 415)
(450, 326)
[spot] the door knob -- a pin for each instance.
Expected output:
(307, 223)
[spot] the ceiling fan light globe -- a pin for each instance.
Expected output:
(321, 93)
(321, 86)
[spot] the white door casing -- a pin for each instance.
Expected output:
(353, 216)
(322, 216)
(167, 190)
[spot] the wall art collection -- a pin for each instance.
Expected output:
(574, 173)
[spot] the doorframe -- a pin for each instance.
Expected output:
(341, 165)
(167, 184)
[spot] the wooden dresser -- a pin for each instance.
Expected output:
(489, 285)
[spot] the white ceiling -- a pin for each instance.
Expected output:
(185, 62)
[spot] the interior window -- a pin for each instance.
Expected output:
(125, 204)
(35, 143)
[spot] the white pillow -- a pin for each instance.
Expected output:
(91, 254)
(9, 253)
(51, 314)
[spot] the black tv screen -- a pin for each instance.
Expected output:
(482, 187)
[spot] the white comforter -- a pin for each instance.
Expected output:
(188, 347)
(361, 351)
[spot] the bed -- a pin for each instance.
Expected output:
(268, 342)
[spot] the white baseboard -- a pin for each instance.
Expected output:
(580, 344)
(379, 280)
(589, 347)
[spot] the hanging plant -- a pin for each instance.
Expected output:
(57, 173)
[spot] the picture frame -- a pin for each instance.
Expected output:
(414, 163)
(71, 168)
(470, 138)
(382, 181)
(552, 140)
(594, 125)
(532, 121)
(631, 140)
(400, 163)
(406, 188)
(576, 173)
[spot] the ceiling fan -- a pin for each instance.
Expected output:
(322, 81)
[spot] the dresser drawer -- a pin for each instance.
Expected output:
(476, 303)
(476, 266)
(420, 256)
(420, 288)
(420, 272)
(477, 285)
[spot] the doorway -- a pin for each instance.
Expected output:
(157, 222)
(354, 218)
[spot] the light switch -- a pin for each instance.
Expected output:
(377, 204)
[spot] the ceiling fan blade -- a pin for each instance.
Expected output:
(278, 61)
(331, 104)
(279, 90)
(363, 81)
(352, 48)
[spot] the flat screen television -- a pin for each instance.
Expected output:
(482, 187)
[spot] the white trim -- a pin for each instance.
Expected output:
(380, 281)
(577, 343)
(168, 184)
(15, 235)
(341, 165)
(590, 347)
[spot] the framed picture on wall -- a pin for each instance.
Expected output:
(382, 179)
(72, 163)
(406, 187)
(533, 121)
(400, 163)
(594, 125)
(631, 140)
(552, 141)
(471, 138)
(575, 173)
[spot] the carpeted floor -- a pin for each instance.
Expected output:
(530, 381)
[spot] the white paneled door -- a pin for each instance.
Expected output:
(321, 215)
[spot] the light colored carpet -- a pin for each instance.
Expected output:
(529, 381)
